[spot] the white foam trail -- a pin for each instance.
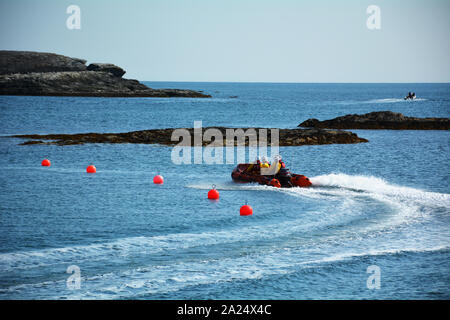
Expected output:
(380, 101)
(379, 252)
(409, 204)
(379, 186)
(386, 100)
(170, 278)
(179, 241)
(223, 185)
(341, 192)
(393, 100)
(401, 206)
(345, 185)
(148, 245)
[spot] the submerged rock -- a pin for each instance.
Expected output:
(49, 74)
(380, 120)
(287, 137)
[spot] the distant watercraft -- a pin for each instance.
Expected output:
(410, 96)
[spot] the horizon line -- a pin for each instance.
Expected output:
(292, 82)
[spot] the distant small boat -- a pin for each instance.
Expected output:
(410, 96)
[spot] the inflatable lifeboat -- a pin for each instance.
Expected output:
(249, 172)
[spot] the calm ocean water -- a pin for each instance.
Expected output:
(384, 203)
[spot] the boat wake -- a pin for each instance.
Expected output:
(380, 101)
(355, 217)
(405, 204)
(344, 184)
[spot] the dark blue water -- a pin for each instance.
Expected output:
(384, 203)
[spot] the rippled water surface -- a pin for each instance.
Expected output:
(383, 203)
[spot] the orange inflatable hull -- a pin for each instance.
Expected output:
(286, 180)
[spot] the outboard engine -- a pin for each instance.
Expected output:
(284, 176)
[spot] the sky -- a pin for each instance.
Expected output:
(242, 40)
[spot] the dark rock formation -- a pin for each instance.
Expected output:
(82, 83)
(106, 67)
(28, 61)
(380, 120)
(287, 137)
(49, 74)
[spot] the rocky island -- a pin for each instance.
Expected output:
(48, 74)
(287, 137)
(380, 120)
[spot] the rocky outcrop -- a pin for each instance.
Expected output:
(287, 137)
(380, 120)
(83, 83)
(106, 67)
(49, 74)
(27, 61)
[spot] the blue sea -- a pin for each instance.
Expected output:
(382, 205)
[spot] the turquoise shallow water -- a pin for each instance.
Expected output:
(383, 203)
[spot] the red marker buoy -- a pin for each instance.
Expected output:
(158, 179)
(213, 194)
(91, 169)
(45, 163)
(246, 210)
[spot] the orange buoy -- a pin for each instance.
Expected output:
(158, 179)
(91, 169)
(213, 194)
(246, 210)
(46, 163)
